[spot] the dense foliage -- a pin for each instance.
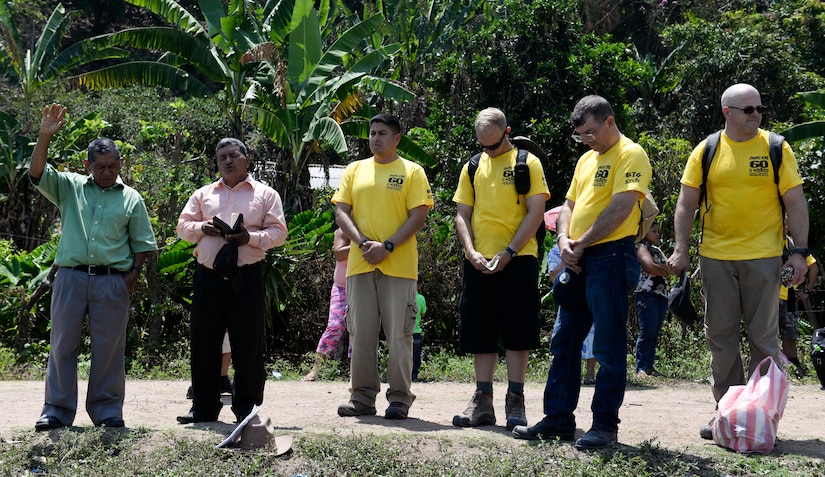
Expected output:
(290, 89)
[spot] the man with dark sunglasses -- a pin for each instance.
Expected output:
(740, 250)
(500, 298)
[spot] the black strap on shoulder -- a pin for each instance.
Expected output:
(707, 157)
(775, 142)
(472, 167)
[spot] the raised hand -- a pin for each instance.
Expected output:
(54, 117)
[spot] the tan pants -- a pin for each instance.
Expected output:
(741, 290)
(376, 301)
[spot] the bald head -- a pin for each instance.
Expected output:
(736, 92)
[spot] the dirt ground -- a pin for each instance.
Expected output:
(664, 413)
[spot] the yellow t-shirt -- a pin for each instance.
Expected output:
(598, 177)
(745, 219)
(381, 196)
(498, 209)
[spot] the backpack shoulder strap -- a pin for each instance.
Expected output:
(775, 142)
(711, 144)
(472, 167)
(521, 156)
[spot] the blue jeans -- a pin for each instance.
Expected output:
(651, 309)
(611, 271)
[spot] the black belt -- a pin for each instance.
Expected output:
(98, 270)
(598, 246)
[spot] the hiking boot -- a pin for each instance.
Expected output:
(544, 430)
(397, 410)
(596, 439)
(355, 408)
(478, 413)
(514, 410)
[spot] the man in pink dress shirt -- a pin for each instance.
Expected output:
(217, 305)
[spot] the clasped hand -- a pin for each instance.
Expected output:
(242, 237)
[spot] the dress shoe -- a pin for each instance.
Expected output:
(190, 417)
(544, 430)
(113, 421)
(596, 439)
(46, 423)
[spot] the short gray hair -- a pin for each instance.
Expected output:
(231, 141)
(490, 117)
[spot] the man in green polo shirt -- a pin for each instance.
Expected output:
(105, 238)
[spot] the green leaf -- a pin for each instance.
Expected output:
(142, 72)
(328, 131)
(804, 131)
(173, 13)
(814, 98)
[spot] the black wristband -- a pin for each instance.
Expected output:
(136, 269)
(511, 252)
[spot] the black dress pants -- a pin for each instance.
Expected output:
(215, 308)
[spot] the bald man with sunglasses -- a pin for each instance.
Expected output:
(740, 250)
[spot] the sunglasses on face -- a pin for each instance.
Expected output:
(750, 109)
(494, 146)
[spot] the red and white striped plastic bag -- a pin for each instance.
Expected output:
(748, 416)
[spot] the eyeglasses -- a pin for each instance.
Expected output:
(496, 145)
(587, 137)
(750, 109)
(583, 137)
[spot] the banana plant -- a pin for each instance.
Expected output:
(299, 105)
(30, 69)
(319, 85)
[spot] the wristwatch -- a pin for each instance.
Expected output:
(511, 252)
(389, 245)
(801, 251)
(806, 291)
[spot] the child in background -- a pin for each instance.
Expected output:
(418, 337)
(651, 300)
(337, 324)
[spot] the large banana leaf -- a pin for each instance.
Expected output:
(195, 49)
(147, 73)
(327, 130)
(804, 131)
(173, 13)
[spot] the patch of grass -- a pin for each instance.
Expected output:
(94, 452)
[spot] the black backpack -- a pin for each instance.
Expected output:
(775, 142)
(818, 354)
(521, 176)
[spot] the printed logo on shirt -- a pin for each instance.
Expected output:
(509, 176)
(395, 182)
(759, 166)
(632, 177)
(600, 180)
